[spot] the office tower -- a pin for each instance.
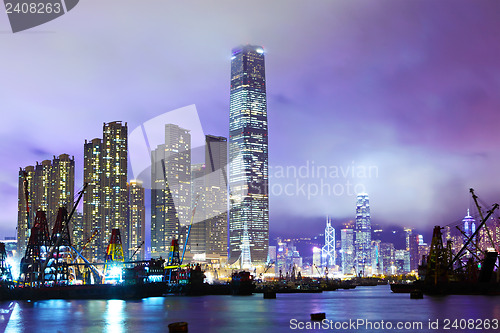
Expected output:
(216, 195)
(414, 256)
(347, 247)
(49, 185)
(316, 264)
(92, 200)
(377, 263)
(114, 183)
(387, 253)
(197, 236)
(469, 228)
(136, 220)
(328, 250)
(402, 261)
(408, 233)
(248, 154)
(105, 202)
(170, 188)
(363, 235)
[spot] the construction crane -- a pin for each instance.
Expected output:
(137, 250)
(474, 196)
(58, 241)
(189, 229)
(96, 231)
(269, 265)
(471, 238)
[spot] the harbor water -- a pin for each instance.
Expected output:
(364, 309)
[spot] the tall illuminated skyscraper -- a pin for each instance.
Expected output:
(136, 219)
(105, 202)
(92, 198)
(363, 236)
(115, 195)
(215, 207)
(248, 154)
(347, 247)
(170, 188)
(328, 250)
(469, 226)
(197, 236)
(25, 204)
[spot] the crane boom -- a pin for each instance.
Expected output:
(483, 222)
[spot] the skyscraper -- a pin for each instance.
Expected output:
(105, 202)
(170, 188)
(328, 250)
(49, 185)
(248, 154)
(363, 236)
(25, 205)
(216, 195)
(62, 184)
(469, 226)
(92, 198)
(347, 246)
(197, 237)
(114, 188)
(136, 218)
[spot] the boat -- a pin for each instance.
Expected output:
(405, 288)
(88, 291)
(242, 283)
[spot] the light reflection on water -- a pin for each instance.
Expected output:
(246, 313)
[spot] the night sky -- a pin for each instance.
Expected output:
(405, 93)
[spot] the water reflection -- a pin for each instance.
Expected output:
(115, 316)
(243, 314)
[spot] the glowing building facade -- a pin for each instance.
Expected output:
(215, 207)
(363, 236)
(114, 188)
(170, 189)
(328, 250)
(248, 154)
(92, 199)
(49, 185)
(347, 248)
(136, 219)
(105, 202)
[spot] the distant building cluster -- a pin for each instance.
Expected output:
(352, 253)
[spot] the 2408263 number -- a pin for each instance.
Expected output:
(33, 8)
(472, 324)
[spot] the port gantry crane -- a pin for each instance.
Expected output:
(443, 266)
(61, 238)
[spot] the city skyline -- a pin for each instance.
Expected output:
(416, 97)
